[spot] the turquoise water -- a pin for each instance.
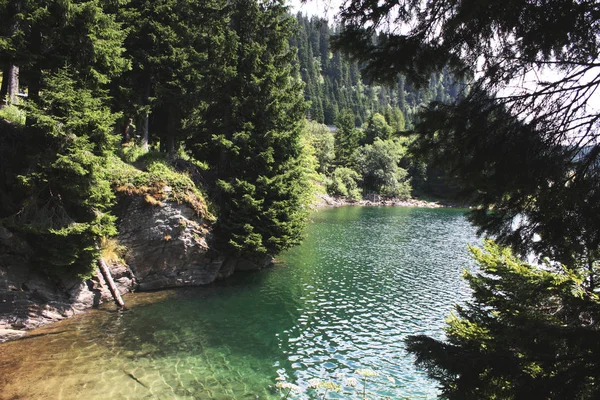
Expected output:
(363, 280)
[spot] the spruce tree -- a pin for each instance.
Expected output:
(68, 51)
(347, 137)
(249, 134)
(78, 34)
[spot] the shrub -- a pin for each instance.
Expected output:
(13, 114)
(344, 183)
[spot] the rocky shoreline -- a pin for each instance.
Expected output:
(168, 245)
(325, 200)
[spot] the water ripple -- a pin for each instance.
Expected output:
(377, 279)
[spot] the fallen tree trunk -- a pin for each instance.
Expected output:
(111, 283)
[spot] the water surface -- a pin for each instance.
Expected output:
(363, 280)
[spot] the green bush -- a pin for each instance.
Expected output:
(13, 114)
(344, 183)
(377, 164)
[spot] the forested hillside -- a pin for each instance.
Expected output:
(368, 154)
(208, 86)
(334, 84)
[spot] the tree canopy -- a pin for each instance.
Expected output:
(218, 78)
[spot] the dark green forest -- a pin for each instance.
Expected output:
(334, 84)
(208, 86)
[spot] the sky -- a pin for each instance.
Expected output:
(321, 8)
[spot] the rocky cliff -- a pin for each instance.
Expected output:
(167, 245)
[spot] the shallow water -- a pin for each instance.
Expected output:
(363, 280)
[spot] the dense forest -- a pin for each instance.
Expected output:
(334, 84)
(209, 85)
(367, 155)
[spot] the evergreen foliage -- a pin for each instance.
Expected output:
(529, 332)
(250, 135)
(51, 34)
(172, 45)
(62, 196)
(334, 83)
(347, 138)
(377, 128)
(215, 73)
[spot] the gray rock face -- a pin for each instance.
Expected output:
(168, 245)
(30, 298)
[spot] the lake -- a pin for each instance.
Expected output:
(364, 279)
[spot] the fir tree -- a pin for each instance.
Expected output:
(250, 135)
(172, 45)
(53, 34)
(528, 333)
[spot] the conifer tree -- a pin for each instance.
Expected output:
(172, 45)
(347, 137)
(528, 333)
(67, 53)
(250, 135)
(529, 161)
(52, 34)
(377, 128)
(62, 194)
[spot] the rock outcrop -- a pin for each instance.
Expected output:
(30, 298)
(168, 245)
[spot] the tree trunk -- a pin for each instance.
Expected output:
(111, 283)
(4, 87)
(146, 116)
(10, 72)
(13, 83)
(171, 131)
(592, 282)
